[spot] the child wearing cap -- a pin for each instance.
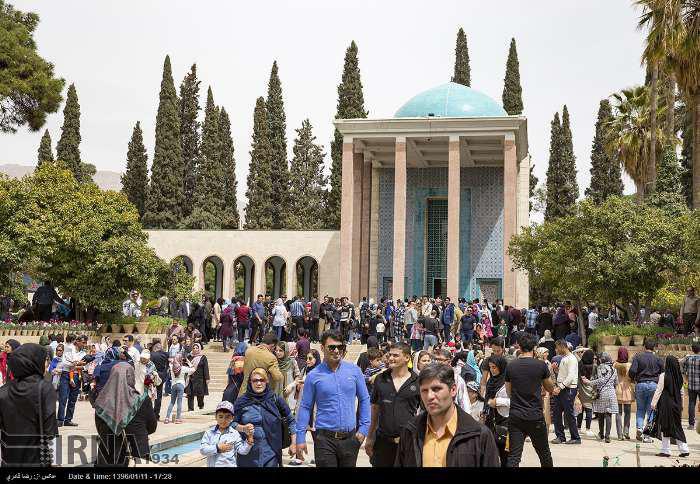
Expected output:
(223, 443)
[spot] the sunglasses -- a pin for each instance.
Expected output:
(336, 347)
(258, 380)
(310, 358)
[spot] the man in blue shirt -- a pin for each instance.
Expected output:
(448, 316)
(257, 319)
(332, 388)
(297, 310)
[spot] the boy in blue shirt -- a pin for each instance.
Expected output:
(222, 443)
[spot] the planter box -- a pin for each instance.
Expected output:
(608, 339)
(128, 328)
(142, 327)
(625, 340)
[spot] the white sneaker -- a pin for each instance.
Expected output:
(589, 433)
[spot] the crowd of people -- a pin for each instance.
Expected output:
(439, 385)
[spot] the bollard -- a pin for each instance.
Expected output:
(606, 459)
(639, 464)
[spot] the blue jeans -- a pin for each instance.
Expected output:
(644, 393)
(67, 396)
(564, 404)
(176, 393)
(692, 398)
(429, 340)
(447, 332)
(467, 335)
(278, 332)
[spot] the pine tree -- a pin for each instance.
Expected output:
(512, 91)
(606, 176)
(166, 195)
(189, 134)
(45, 153)
(307, 185)
(668, 193)
(351, 105)
(68, 146)
(259, 211)
(135, 179)
(208, 207)
(568, 161)
(277, 126)
(556, 174)
(228, 162)
(462, 72)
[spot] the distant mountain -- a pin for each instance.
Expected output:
(106, 180)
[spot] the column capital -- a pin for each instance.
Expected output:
(348, 139)
(400, 139)
(454, 137)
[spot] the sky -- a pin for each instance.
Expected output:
(571, 52)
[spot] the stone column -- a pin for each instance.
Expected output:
(399, 218)
(453, 206)
(522, 284)
(510, 182)
(346, 219)
(357, 194)
(291, 280)
(227, 275)
(374, 234)
(364, 228)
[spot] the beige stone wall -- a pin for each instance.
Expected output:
(259, 245)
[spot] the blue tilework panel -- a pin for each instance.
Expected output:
(481, 217)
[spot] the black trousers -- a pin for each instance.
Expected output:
(314, 329)
(518, 430)
(330, 452)
(44, 312)
(190, 402)
(159, 399)
(384, 453)
(255, 330)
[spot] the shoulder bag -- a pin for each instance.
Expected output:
(286, 436)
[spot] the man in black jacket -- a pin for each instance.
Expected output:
(444, 435)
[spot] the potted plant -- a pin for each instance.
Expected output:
(607, 335)
(625, 335)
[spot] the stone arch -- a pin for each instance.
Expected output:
(186, 261)
(306, 277)
(243, 278)
(275, 276)
(212, 276)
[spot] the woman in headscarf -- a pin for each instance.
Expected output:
(266, 411)
(27, 410)
(421, 359)
(471, 361)
(56, 375)
(10, 346)
(235, 373)
(226, 327)
(542, 354)
(175, 346)
(486, 323)
(198, 386)
(605, 406)
(44, 342)
(561, 323)
(313, 359)
(123, 416)
(668, 404)
(290, 373)
(101, 373)
(586, 371)
(497, 404)
(625, 393)
(548, 342)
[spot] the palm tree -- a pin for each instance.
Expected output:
(630, 134)
(674, 37)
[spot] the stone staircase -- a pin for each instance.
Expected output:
(219, 362)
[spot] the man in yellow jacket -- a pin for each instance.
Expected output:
(261, 356)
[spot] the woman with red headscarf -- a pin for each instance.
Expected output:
(625, 393)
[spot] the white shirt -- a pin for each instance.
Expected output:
(568, 372)
(70, 357)
(380, 327)
(134, 353)
(592, 320)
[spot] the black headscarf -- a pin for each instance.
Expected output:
(27, 364)
(496, 382)
(670, 405)
(14, 344)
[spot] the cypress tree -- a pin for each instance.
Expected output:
(68, 146)
(351, 104)
(556, 175)
(277, 128)
(568, 161)
(208, 207)
(512, 91)
(189, 134)
(668, 190)
(228, 162)
(532, 185)
(259, 211)
(606, 176)
(45, 153)
(462, 72)
(135, 179)
(166, 195)
(306, 189)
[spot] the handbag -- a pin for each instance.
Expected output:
(651, 429)
(286, 436)
(500, 432)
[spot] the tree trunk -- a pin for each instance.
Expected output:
(654, 102)
(639, 196)
(581, 327)
(696, 149)
(670, 127)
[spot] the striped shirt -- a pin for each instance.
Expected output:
(531, 318)
(691, 368)
(297, 308)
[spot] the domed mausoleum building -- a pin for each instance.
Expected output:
(430, 198)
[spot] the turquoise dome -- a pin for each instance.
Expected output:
(451, 100)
